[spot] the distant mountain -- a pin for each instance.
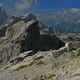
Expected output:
(3, 15)
(65, 20)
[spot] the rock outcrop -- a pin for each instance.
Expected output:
(25, 18)
(18, 38)
(57, 53)
(28, 17)
(20, 57)
(72, 45)
(23, 34)
(13, 20)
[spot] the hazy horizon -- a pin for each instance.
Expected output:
(38, 5)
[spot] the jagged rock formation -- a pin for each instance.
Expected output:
(22, 34)
(28, 17)
(19, 38)
(19, 42)
(13, 20)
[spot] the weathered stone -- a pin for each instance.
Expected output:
(76, 53)
(19, 38)
(71, 75)
(28, 17)
(61, 51)
(22, 35)
(20, 57)
(72, 45)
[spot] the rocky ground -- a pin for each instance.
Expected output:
(44, 66)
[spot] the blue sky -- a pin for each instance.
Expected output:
(58, 4)
(18, 5)
(48, 4)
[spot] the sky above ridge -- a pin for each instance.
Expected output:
(20, 5)
(58, 4)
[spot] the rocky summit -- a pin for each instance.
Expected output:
(23, 34)
(19, 38)
(31, 52)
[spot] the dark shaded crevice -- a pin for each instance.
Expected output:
(50, 42)
(32, 38)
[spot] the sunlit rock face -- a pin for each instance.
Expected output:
(19, 38)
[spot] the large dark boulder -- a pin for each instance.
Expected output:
(48, 42)
(32, 39)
